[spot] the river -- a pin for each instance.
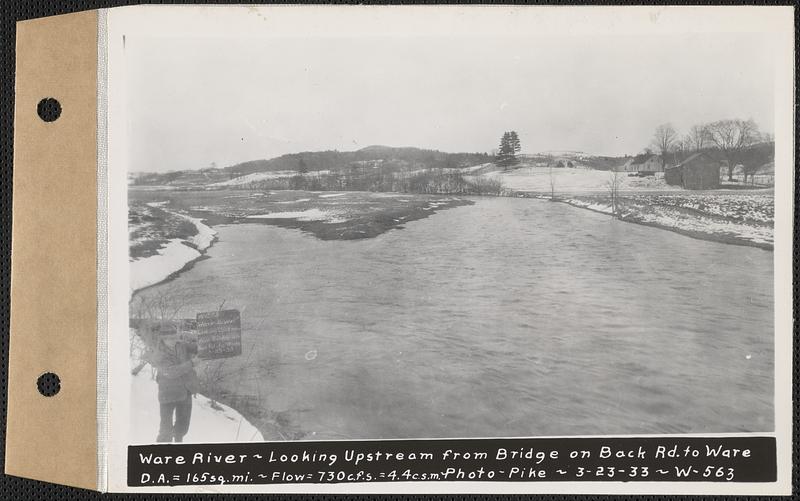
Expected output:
(511, 317)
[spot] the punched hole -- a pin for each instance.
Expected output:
(49, 109)
(49, 384)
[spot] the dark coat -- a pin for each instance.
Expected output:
(176, 377)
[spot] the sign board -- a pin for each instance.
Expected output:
(219, 334)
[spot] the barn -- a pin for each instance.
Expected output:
(698, 172)
(646, 163)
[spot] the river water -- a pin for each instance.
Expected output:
(512, 317)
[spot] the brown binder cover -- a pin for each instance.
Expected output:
(53, 274)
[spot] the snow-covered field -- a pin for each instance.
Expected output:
(743, 218)
(263, 176)
(574, 180)
(671, 218)
(753, 207)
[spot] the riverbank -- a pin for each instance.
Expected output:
(161, 258)
(736, 217)
(211, 420)
(163, 246)
(163, 243)
(729, 218)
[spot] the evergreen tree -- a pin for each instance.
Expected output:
(509, 147)
(514, 140)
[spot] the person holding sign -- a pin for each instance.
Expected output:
(177, 384)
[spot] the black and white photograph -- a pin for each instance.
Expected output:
(546, 233)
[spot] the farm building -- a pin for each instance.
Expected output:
(646, 162)
(698, 172)
(763, 174)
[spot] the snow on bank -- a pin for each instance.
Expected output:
(673, 219)
(205, 235)
(219, 423)
(597, 207)
(209, 423)
(171, 258)
(151, 270)
(708, 226)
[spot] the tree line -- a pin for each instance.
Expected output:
(733, 139)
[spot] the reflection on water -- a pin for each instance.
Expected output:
(507, 318)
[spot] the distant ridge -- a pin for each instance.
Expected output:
(376, 156)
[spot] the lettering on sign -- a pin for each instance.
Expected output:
(219, 334)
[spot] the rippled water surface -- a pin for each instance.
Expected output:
(512, 317)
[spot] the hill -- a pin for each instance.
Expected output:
(385, 158)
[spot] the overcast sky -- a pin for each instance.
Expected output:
(192, 102)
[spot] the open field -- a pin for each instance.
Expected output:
(572, 180)
(579, 180)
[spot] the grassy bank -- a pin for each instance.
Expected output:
(150, 228)
(726, 217)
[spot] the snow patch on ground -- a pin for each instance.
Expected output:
(674, 219)
(171, 258)
(475, 167)
(208, 424)
(205, 235)
(294, 201)
(151, 270)
(263, 176)
(305, 215)
(597, 207)
(255, 177)
(331, 195)
(744, 218)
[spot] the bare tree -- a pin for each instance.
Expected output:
(613, 184)
(732, 137)
(698, 137)
(683, 148)
(149, 314)
(663, 140)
